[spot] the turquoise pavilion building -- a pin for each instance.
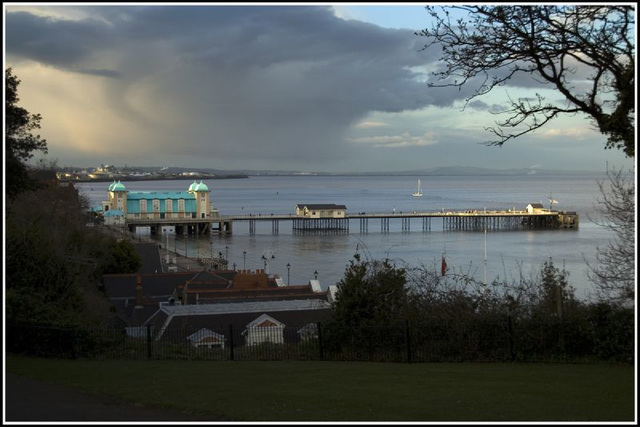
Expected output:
(195, 203)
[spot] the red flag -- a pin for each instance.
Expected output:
(444, 266)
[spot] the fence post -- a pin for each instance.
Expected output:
(231, 342)
(149, 341)
(74, 343)
(408, 334)
(320, 349)
(511, 344)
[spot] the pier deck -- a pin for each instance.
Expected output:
(451, 220)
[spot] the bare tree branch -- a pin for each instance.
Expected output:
(492, 44)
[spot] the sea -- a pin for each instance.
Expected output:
(495, 255)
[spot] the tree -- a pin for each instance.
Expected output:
(555, 291)
(370, 310)
(120, 258)
(20, 143)
(614, 274)
(561, 47)
(371, 293)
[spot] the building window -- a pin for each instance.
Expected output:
(143, 206)
(181, 205)
(156, 205)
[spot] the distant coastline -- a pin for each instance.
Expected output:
(153, 178)
(174, 173)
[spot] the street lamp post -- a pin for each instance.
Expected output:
(288, 274)
(266, 256)
(244, 265)
(315, 274)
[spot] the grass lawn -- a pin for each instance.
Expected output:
(355, 391)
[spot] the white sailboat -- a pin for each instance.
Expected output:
(419, 192)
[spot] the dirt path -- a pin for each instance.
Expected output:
(30, 400)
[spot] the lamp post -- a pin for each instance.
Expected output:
(315, 274)
(226, 253)
(266, 256)
(288, 274)
(244, 265)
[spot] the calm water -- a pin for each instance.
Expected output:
(509, 253)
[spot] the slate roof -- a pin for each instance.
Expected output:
(175, 323)
(320, 207)
(155, 286)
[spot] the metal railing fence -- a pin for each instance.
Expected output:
(493, 340)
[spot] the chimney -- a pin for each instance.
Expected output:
(139, 293)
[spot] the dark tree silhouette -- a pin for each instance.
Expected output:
(614, 274)
(585, 53)
(20, 143)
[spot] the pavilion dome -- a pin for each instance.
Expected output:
(117, 186)
(193, 186)
(201, 187)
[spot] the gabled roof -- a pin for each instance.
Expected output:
(320, 207)
(204, 333)
(182, 321)
(265, 321)
(209, 279)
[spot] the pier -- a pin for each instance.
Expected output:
(448, 221)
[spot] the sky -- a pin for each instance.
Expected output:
(309, 87)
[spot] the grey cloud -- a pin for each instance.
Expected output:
(483, 106)
(277, 83)
(62, 43)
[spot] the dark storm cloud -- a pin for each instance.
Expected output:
(253, 83)
(60, 43)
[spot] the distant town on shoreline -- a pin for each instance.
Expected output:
(104, 173)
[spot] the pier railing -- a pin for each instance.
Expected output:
(451, 220)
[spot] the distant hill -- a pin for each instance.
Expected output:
(436, 171)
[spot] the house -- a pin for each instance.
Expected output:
(308, 332)
(136, 297)
(207, 338)
(208, 287)
(535, 208)
(264, 329)
(114, 217)
(246, 323)
(321, 211)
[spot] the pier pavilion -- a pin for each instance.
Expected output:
(188, 211)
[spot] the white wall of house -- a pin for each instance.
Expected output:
(265, 329)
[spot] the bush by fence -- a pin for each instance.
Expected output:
(436, 341)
